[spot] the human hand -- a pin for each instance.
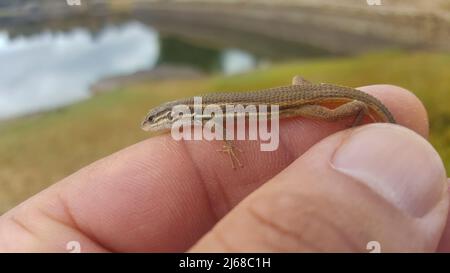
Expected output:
(378, 182)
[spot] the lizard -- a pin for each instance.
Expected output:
(322, 101)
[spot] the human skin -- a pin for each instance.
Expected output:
(324, 189)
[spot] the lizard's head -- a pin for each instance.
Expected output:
(160, 118)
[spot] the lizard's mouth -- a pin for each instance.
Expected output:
(154, 126)
(147, 126)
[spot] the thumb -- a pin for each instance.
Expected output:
(379, 182)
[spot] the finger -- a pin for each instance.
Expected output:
(444, 244)
(405, 106)
(162, 195)
(380, 183)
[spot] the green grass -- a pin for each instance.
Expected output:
(39, 150)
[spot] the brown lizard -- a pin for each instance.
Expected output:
(318, 101)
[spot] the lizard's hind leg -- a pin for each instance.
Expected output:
(354, 108)
(299, 80)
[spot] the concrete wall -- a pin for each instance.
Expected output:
(413, 23)
(340, 26)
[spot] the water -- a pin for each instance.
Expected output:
(48, 69)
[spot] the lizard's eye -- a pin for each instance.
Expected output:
(169, 116)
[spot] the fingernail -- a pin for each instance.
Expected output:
(395, 163)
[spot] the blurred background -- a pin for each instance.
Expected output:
(77, 76)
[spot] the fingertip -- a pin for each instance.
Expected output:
(406, 107)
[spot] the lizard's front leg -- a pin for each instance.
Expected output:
(228, 147)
